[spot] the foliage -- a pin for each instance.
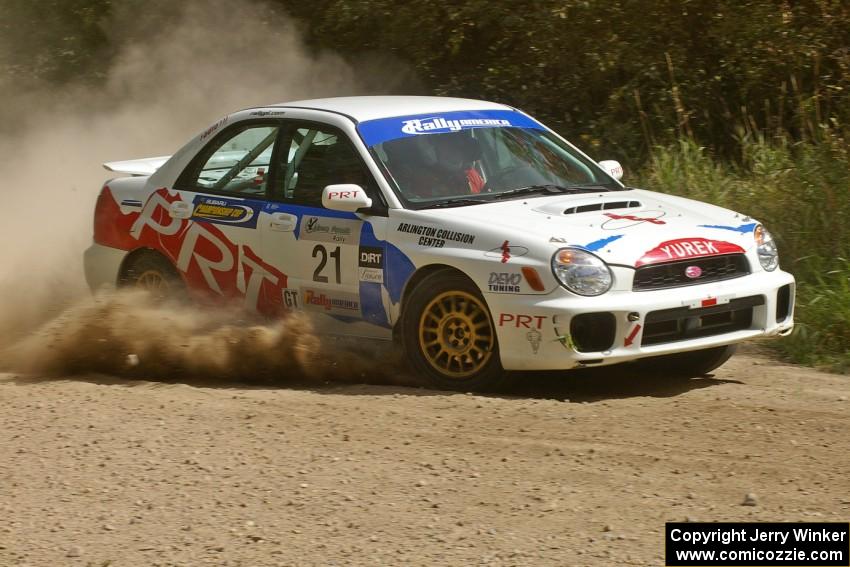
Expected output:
(802, 193)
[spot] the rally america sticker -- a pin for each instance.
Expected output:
(332, 303)
(437, 124)
(382, 130)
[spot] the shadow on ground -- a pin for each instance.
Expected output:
(578, 386)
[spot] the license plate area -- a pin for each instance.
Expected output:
(683, 323)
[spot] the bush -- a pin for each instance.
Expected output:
(802, 193)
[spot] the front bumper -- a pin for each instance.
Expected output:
(536, 332)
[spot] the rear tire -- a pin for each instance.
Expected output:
(154, 274)
(688, 364)
(448, 335)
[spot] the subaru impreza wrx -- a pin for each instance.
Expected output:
(467, 231)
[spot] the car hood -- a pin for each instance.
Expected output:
(632, 228)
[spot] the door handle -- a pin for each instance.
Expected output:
(283, 222)
(180, 210)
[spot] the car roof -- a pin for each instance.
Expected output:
(363, 108)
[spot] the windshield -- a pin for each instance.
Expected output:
(483, 162)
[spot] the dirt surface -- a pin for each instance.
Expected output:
(576, 470)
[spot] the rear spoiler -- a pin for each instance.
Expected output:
(145, 166)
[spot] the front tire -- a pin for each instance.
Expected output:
(689, 364)
(449, 336)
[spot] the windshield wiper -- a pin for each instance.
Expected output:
(552, 189)
(460, 202)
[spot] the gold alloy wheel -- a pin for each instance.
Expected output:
(456, 335)
(153, 281)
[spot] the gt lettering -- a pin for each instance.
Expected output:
(290, 298)
(521, 321)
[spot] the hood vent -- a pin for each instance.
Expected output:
(605, 206)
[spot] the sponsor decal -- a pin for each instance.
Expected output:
(693, 272)
(437, 124)
(506, 251)
(371, 257)
(685, 248)
(558, 240)
(225, 211)
(618, 222)
(262, 113)
(534, 337)
(743, 228)
(519, 321)
(336, 304)
(370, 264)
(435, 237)
(632, 335)
(384, 129)
(328, 229)
(504, 282)
(214, 127)
(342, 195)
(372, 275)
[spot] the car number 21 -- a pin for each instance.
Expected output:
(322, 253)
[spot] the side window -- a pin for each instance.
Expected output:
(239, 164)
(317, 158)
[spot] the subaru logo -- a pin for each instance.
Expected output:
(693, 272)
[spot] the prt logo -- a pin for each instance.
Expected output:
(521, 321)
(337, 195)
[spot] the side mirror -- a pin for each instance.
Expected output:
(612, 168)
(345, 197)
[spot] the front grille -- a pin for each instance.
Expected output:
(683, 323)
(672, 274)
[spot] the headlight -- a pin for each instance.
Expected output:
(581, 272)
(768, 254)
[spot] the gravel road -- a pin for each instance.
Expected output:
(575, 470)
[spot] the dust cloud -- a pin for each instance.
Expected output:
(127, 333)
(169, 79)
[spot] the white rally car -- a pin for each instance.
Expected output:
(466, 230)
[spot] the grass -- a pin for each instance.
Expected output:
(801, 192)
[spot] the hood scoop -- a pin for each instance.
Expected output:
(574, 205)
(604, 206)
